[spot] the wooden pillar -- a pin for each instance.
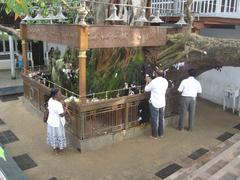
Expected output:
(82, 73)
(24, 56)
(126, 115)
(24, 47)
(83, 44)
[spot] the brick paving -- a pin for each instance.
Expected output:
(221, 164)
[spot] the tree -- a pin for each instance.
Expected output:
(198, 51)
(10, 31)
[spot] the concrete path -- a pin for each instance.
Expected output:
(135, 159)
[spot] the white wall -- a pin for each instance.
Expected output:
(5, 64)
(213, 82)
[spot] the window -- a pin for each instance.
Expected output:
(214, 5)
(7, 46)
(4, 46)
(1, 46)
(223, 6)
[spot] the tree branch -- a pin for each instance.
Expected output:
(10, 31)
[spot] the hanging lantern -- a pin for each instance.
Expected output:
(181, 21)
(142, 17)
(27, 18)
(51, 16)
(113, 16)
(156, 18)
(82, 13)
(60, 16)
(38, 17)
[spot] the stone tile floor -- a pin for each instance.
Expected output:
(10, 86)
(6, 81)
(221, 164)
(135, 159)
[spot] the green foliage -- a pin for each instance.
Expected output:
(60, 66)
(3, 36)
(117, 73)
(18, 6)
(71, 56)
(24, 7)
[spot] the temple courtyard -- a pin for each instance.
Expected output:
(140, 158)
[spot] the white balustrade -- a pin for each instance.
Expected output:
(201, 8)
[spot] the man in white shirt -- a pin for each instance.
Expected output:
(189, 88)
(157, 87)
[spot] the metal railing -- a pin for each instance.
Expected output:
(89, 118)
(113, 111)
(201, 8)
(35, 73)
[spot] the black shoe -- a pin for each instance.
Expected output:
(180, 129)
(153, 137)
(188, 129)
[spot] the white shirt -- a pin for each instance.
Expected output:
(158, 88)
(190, 87)
(55, 109)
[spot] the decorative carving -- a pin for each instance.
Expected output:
(99, 36)
(82, 54)
(62, 34)
(125, 36)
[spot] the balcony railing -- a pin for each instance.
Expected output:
(201, 8)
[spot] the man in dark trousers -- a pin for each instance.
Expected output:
(157, 102)
(189, 88)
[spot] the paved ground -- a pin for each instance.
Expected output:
(138, 158)
(10, 86)
(220, 163)
(6, 81)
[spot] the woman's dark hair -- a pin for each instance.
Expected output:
(54, 92)
(192, 72)
(158, 70)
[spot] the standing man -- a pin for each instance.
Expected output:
(189, 88)
(157, 102)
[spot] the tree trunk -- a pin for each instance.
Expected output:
(10, 31)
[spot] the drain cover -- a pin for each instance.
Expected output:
(225, 136)
(167, 171)
(237, 127)
(198, 153)
(7, 137)
(24, 161)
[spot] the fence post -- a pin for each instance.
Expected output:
(126, 115)
(82, 124)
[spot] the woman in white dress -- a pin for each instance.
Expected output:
(56, 137)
